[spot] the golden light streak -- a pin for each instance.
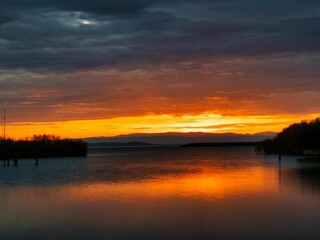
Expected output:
(204, 185)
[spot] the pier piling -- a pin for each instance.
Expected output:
(15, 160)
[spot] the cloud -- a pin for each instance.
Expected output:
(111, 7)
(104, 59)
(251, 87)
(64, 35)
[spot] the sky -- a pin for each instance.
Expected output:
(81, 68)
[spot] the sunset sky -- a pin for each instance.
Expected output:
(80, 68)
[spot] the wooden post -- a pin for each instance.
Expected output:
(280, 149)
(15, 160)
(36, 160)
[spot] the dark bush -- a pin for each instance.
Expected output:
(42, 146)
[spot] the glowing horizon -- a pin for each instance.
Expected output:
(206, 123)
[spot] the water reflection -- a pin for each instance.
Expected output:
(163, 194)
(204, 185)
(307, 178)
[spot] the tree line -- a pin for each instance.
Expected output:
(42, 146)
(294, 139)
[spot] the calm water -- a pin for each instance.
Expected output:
(161, 193)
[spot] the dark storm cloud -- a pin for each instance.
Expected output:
(112, 7)
(59, 34)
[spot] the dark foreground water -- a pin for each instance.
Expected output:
(161, 193)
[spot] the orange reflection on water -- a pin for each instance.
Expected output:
(205, 185)
(230, 202)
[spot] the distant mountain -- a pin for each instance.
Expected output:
(182, 138)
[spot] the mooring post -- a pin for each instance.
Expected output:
(15, 160)
(35, 142)
(280, 149)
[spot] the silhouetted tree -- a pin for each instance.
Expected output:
(42, 146)
(295, 138)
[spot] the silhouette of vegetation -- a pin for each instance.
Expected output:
(42, 146)
(294, 139)
(221, 144)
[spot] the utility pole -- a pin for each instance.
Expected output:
(4, 124)
(4, 137)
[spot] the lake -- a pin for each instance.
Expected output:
(161, 193)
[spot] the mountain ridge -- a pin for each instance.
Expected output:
(181, 138)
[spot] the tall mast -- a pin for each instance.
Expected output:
(4, 124)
